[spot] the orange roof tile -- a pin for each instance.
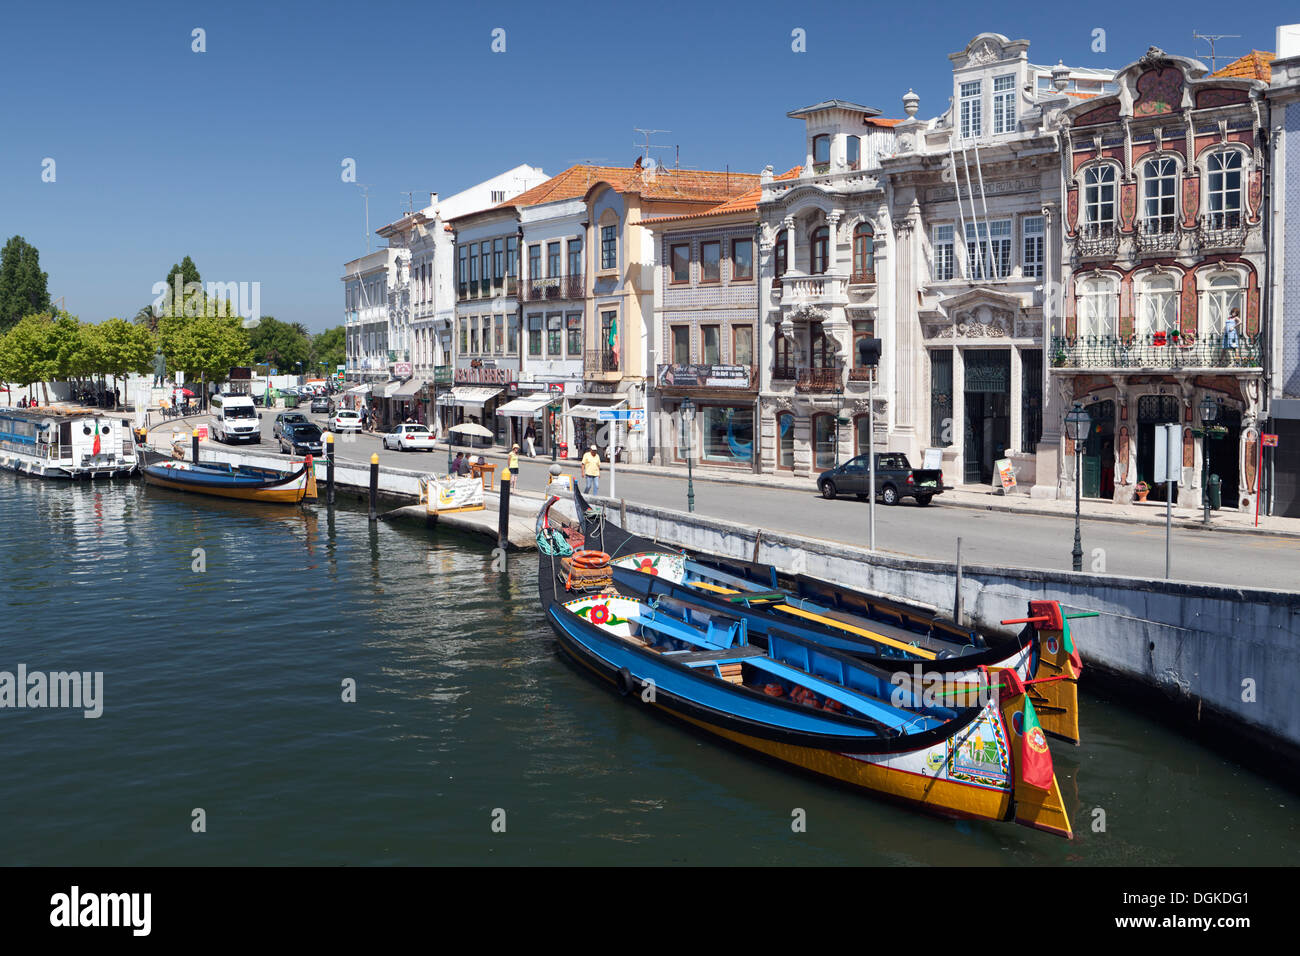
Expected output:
(684, 185)
(745, 202)
(881, 121)
(1255, 65)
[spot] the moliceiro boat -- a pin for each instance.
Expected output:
(243, 482)
(979, 756)
(56, 443)
(889, 634)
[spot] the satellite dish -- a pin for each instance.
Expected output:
(650, 164)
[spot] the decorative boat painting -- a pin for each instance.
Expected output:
(242, 482)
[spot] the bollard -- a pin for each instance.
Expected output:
(503, 510)
(956, 600)
(329, 469)
(622, 512)
(194, 446)
(374, 485)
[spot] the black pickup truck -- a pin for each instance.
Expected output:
(895, 479)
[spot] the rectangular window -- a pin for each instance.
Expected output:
(573, 329)
(462, 276)
(499, 334)
(1099, 198)
(681, 345)
(1004, 103)
(1033, 264)
(609, 340)
(554, 335)
(991, 259)
(473, 262)
(485, 262)
(553, 259)
(512, 256)
(742, 345)
(711, 345)
(609, 247)
(575, 257)
(464, 335)
(944, 253)
(940, 398)
(473, 335)
(710, 261)
(972, 110)
(535, 334)
(498, 258)
(681, 262)
(742, 260)
(534, 262)
(512, 339)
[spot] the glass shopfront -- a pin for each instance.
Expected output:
(726, 434)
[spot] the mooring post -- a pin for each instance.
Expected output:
(622, 513)
(503, 510)
(194, 447)
(956, 601)
(329, 469)
(374, 486)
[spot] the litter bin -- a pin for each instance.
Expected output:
(291, 401)
(1215, 489)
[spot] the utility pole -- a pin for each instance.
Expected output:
(1211, 39)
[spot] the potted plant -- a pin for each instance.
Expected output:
(1142, 489)
(1058, 360)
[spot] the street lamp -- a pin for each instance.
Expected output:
(1209, 414)
(688, 416)
(554, 409)
(1077, 423)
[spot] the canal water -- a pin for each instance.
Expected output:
(226, 632)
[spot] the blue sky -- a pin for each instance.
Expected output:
(233, 156)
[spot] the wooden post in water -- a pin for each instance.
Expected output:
(503, 510)
(956, 601)
(329, 469)
(622, 513)
(194, 446)
(374, 486)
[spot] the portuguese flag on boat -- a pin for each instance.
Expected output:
(1036, 759)
(95, 450)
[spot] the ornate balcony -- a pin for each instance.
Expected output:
(552, 287)
(824, 291)
(1157, 236)
(1096, 242)
(863, 278)
(1154, 351)
(1221, 230)
(784, 373)
(819, 380)
(600, 362)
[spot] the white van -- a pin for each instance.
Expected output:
(235, 418)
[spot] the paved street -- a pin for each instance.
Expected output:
(988, 537)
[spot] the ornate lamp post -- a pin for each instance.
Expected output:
(1209, 414)
(554, 409)
(1077, 423)
(688, 416)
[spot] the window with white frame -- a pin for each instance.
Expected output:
(991, 258)
(944, 254)
(1004, 103)
(1223, 193)
(1159, 195)
(1157, 305)
(1098, 300)
(1099, 198)
(1224, 294)
(972, 109)
(1035, 228)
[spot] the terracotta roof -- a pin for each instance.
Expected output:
(1255, 65)
(745, 202)
(686, 185)
(881, 121)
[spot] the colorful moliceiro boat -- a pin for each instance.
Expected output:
(981, 755)
(885, 633)
(243, 482)
(53, 443)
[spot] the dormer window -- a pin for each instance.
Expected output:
(1004, 103)
(852, 147)
(972, 109)
(821, 153)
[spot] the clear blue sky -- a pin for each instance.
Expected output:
(233, 156)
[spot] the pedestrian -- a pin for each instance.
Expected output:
(530, 440)
(512, 462)
(591, 472)
(457, 462)
(1230, 329)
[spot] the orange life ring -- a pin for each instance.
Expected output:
(590, 559)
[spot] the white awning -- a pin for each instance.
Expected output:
(390, 388)
(359, 390)
(470, 395)
(525, 407)
(408, 389)
(590, 407)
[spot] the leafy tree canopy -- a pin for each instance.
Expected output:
(23, 286)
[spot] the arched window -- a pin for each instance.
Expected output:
(782, 254)
(864, 253)
(1223, 189)
(1099, 198)
(821, 153)
(820, 247)
(852, 151)
(785, 441)
(1159, 195)
(1098, 305)
(1225, 293)
(1157, 306)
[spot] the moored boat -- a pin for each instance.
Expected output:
(244, 482)
(58, 443)
(981, 756)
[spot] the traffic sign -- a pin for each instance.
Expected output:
(614, 414)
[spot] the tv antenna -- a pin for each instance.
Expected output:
(1211, 39)
(645, 154)
(410, 200)
(365, 192)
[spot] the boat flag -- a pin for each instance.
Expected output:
(95, 449)
(1068, 643)
(1035, 758)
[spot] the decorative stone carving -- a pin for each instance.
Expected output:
(984, 53)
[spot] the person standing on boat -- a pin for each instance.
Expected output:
(591, 472)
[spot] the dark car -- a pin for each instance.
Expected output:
(300, 438)
(895, 479)
(285, 419)
(321, 403)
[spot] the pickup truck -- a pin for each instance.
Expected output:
(895, 479)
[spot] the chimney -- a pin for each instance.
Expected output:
(433, 199)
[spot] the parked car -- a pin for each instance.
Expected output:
(301, 438)
(286, 419)
(895, 479)
(321, 404)
(409, 438)
(345, 420)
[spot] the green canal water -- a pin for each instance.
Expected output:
(222, 692)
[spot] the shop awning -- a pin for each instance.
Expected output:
(526, 407)
(469, 395)
(409, 388)
(589, 407)
(390, 388)
(359, 390)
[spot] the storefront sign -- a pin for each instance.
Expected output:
(636, 421)
(704, 376)
(454, 494)
(485, 376)
(1005, 474)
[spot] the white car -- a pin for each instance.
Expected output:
(409, 438)
(345, 420)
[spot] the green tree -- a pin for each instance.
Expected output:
(329, 348)
(126, 348)
(23, 289)
(281, 344)
(186, 273)
(204, 347)
(27, 353)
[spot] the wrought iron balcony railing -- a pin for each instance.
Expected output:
(1157, 235)
(863, 278)
(784, 373)
(1095, 241)
(819, 380)
(552, 287)
(861, 374)
(600, 360)
(1222, 230)
(1155, 351)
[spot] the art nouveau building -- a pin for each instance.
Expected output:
(1162, 270)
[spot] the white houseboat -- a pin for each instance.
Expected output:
(56, 443)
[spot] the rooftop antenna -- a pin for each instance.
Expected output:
(1211, 38)
(365, 192)
(647, 132)
(410, 201)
